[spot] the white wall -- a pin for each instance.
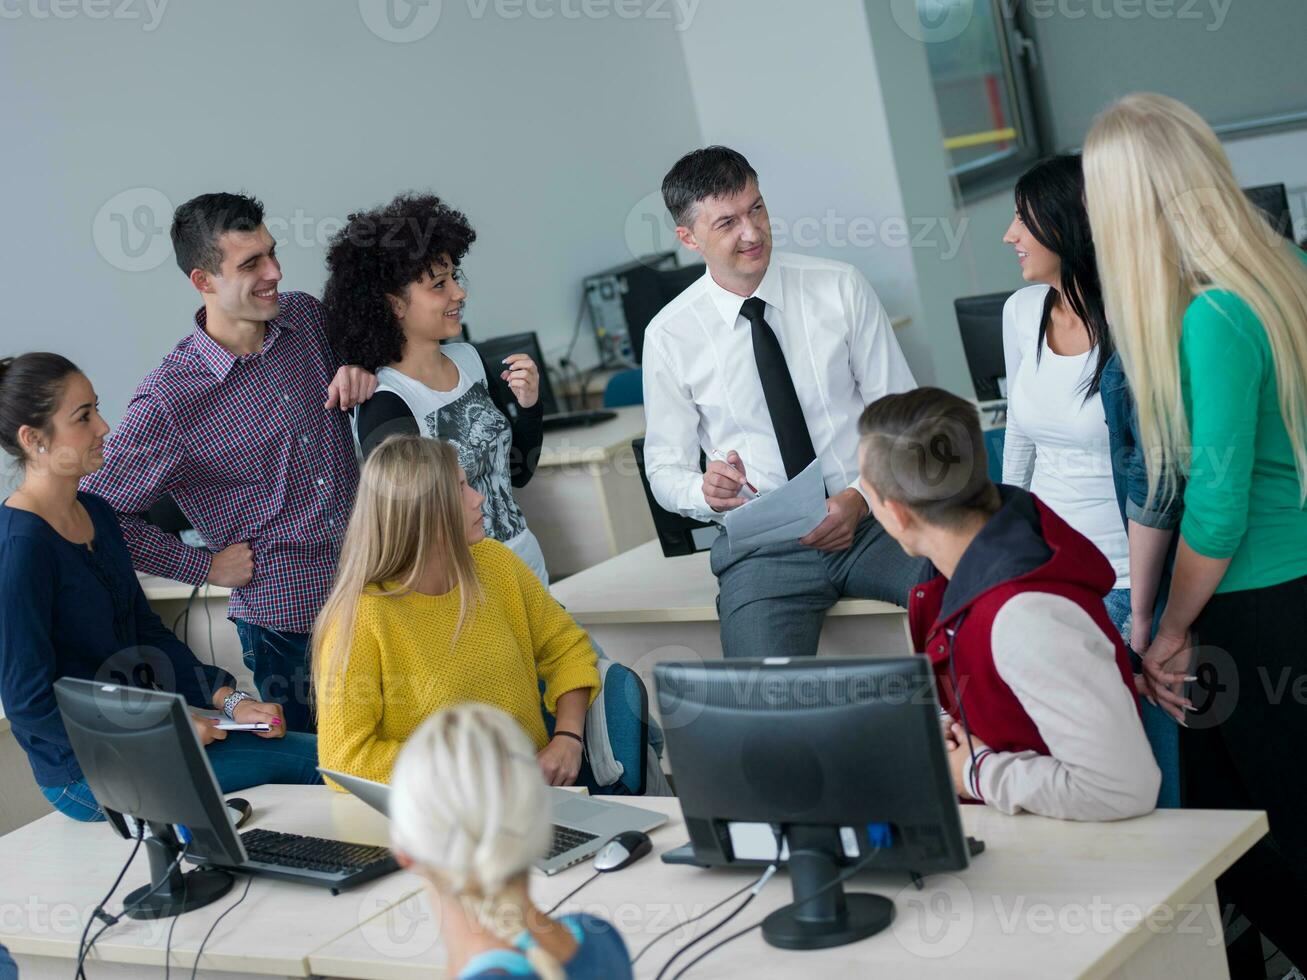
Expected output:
(796, 91)
(546, 132)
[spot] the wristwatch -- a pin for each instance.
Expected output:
(231, 700)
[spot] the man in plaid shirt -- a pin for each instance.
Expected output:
(244, 426)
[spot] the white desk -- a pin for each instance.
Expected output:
(1047, 899)
(53, 871)
(585, 502)
(644, 608)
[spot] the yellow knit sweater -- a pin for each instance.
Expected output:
(402, 668)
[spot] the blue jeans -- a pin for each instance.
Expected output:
(280, 664)
(1163, 734)
(239, 761)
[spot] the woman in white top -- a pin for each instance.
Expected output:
(393, 297)
(1056, 344)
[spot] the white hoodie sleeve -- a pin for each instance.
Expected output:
(1063, 670)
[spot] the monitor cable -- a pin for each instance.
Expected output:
(204, 942)
(834, 882)
(709, 911)
(555, 906)
(758, 886)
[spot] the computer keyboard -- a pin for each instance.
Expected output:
(315, 860)
(576, 420)
(566, 838)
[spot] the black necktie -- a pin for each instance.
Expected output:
(778, 388)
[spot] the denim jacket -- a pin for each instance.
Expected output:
(1129, 468)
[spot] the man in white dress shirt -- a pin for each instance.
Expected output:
(769, 360)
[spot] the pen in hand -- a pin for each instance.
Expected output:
(717, 454)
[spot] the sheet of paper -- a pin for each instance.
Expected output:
(784, 514)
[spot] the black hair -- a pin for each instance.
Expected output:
(714, 171)
(30, 388)
(1050, 199)
(380, 252)
(924, 448)
(197, 224)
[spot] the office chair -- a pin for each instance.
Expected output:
(626, 708)
(624, 388)
(678, 535)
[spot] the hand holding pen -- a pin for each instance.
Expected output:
(725, 485)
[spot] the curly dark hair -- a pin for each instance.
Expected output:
(380, 252)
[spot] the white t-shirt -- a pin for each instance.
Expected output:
(1056, 444)
(467, 417)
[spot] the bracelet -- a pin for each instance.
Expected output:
(230, 702)
(570, 735)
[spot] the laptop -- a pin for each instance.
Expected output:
(582, 824)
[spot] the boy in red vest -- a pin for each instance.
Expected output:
(1034, 677)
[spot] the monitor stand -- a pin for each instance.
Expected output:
(170, 891)
(822, 914)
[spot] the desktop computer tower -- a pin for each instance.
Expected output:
(621, 301)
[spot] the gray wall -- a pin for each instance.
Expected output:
(547, 132)
(1229, 59)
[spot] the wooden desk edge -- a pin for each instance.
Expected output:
(1110, 962)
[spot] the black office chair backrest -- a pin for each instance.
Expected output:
(1273, 201)
(677, 534)
(980, 322)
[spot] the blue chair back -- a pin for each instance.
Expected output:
(624, 388)
(626, 707)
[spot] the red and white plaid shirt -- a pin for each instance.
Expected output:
(245, 448)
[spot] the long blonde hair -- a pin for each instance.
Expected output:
(1170, 223)
(409, 506)
(469, 806)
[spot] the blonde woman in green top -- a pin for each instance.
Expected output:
(1208, 306)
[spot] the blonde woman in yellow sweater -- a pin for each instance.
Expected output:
(427, 612)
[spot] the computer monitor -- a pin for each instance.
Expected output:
(495, 349)
(844, 755)
(1273, 201)
(980, 322)
(141, 757)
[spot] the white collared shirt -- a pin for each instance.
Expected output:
(701, 384)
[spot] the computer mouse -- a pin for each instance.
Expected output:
(243, 808)
(626, 848)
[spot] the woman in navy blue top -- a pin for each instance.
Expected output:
(71, 606)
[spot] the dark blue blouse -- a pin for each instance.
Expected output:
(67, 610)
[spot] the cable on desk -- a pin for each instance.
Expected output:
(766, 877)
(671, 929)
(82, 949)
(203, 942)
(554, 907)
(838, 880)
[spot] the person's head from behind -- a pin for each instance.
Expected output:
(1054, 245)
(713, 197)
(469, 811)
(50, 416)
(414, 513)
(923, 467)
(1170, 221)
(223, 247)
(393, 279)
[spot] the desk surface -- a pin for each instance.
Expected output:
(159, 589)
(644, 586)
(594, 443)
(983, 921)
(54, 870)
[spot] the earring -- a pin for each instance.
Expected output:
(40, 449)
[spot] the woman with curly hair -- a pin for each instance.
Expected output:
(394, 293)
